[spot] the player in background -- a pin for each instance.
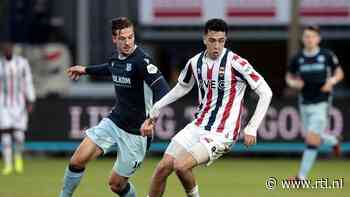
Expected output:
(222, 77)
(314, 71)
(136, 81)
(16, 99)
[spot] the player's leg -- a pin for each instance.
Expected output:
(6, 141)
(164, 169)
(86, 151)
(183, 167)
(315, 122)
(131, 150)
(180, 144)
(19, 138)
(330, 139)
(121, 185)
(209, 148)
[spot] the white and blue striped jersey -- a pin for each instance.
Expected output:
(221, 86)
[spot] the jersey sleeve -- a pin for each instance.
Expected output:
(247, 71)
(186, 76)
(151, 72)
(333, 61)
(29, 90)
(98, 70)
(293, 66)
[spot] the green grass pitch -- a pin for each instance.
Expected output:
(226, 177)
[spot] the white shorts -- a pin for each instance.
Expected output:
(11, 119)
(215, 143)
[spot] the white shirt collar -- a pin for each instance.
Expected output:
(311, 53)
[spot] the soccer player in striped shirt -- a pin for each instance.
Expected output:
(16, 99)
(222, 77)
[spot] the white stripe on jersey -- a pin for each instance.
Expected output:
(238, 73)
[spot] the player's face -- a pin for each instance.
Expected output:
(124, 40)
(215, 43)
(311, 39)
(7, 49)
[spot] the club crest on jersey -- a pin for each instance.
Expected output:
(152, 69)
(128, 67)
(221, 71)
(321, 59)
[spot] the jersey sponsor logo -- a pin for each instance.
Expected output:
(152, 69)
(312, 67)
(213, 84)
(122, 81)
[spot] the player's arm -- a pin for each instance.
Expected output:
(76, 71)
(292, 79)
(337, 76)
(184, 85)
(262, 89)
(182, 88)
(29, 90)
(173, 95)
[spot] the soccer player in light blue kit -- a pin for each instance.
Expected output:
(314, 71)
(137, 81)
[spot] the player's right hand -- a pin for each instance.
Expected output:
(147, 127)
(249, 140)
(75, 72)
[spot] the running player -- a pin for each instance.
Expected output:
(137, 81)
(314, 71)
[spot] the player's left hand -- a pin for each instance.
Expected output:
(29, 106)
(249, 140)
(328, 86)
(147, 127)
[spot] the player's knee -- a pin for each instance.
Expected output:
(179, 166)
(117, 186)
(164, 167)
(313, 139)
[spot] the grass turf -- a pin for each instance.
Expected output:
(226, 177)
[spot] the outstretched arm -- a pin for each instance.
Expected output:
(76, 71)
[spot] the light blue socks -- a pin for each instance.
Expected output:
(71, 180)
(308, 160)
